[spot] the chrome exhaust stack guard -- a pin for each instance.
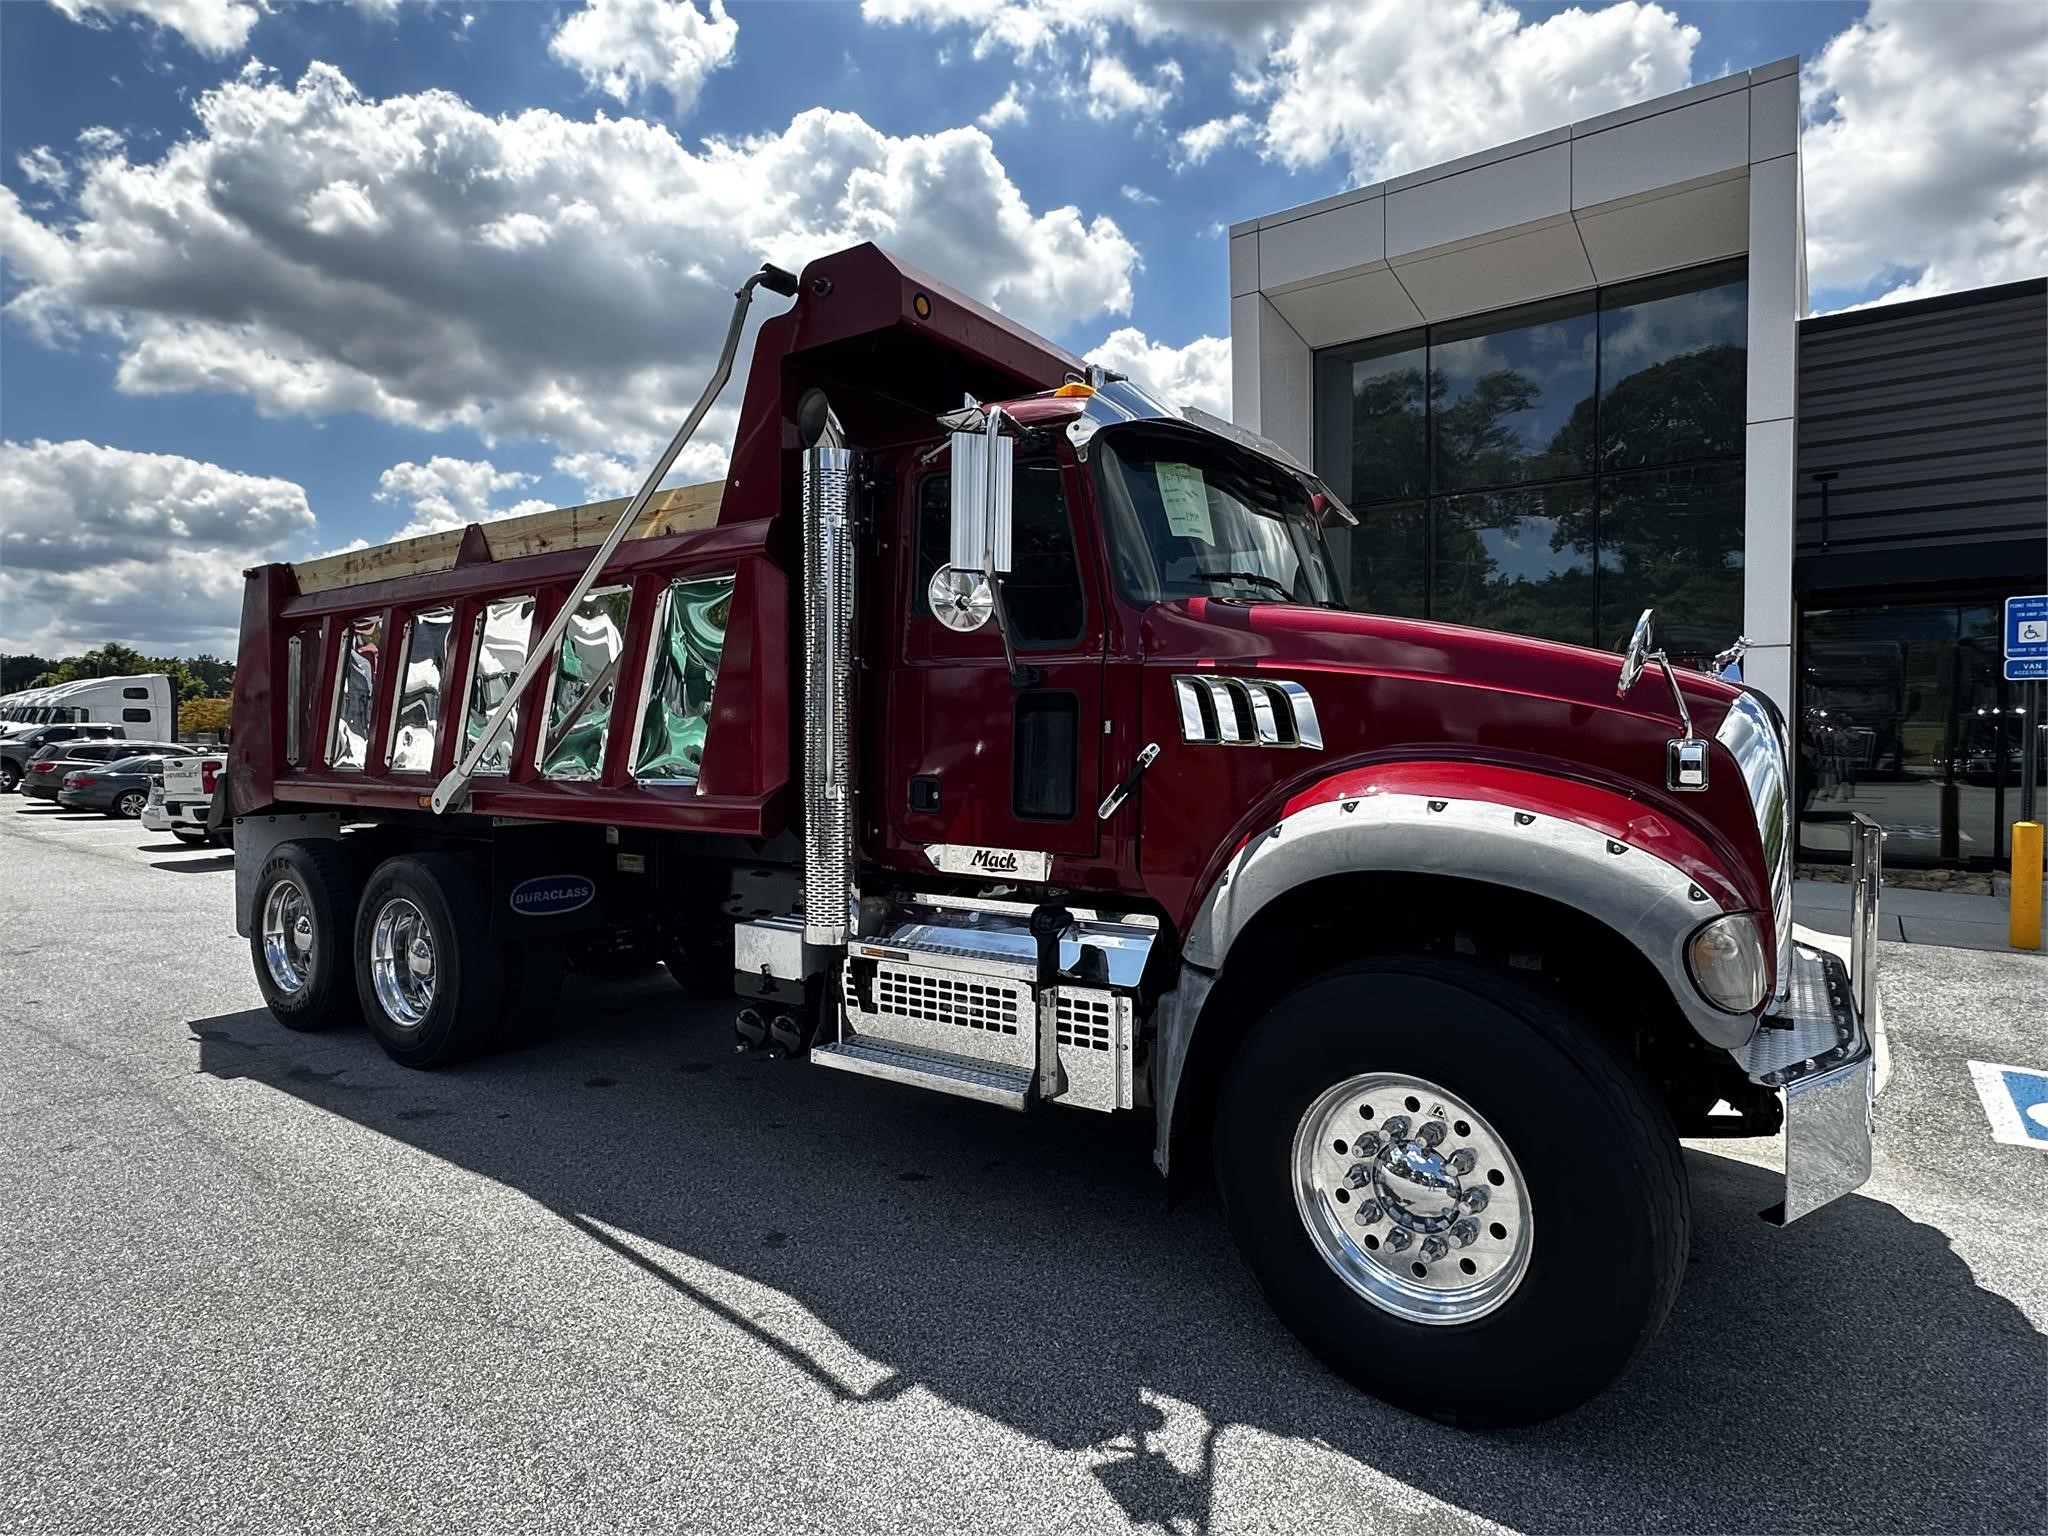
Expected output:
(1825, 1049)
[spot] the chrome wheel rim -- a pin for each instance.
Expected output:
(130, 805)
(288, 940)
(1413, 1198)
(403, 963)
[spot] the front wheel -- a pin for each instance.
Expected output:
(1451, 1190)
(10, 777)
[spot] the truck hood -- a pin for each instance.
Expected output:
(1389, 690)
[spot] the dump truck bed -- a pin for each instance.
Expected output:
(365, 674)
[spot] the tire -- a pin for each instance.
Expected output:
(10, 776)
(444, 1004)
(327, 882)
(128, 805)
(190, 839)
(702, 965)
(1577, 1248)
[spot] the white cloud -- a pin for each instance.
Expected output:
(604, 476)
(1007, 109)
(625, 47)
(149, 548)
(1196, 374)
(1387, 85)
(535, 276)
(1113, 91)
(1925, 148)
(1138, 195)
(213, 27)
(1392, 86)
(1029, 29)
(44, 169)
(1204, 139)
(447, 493)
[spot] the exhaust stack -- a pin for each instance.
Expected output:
(828, 687)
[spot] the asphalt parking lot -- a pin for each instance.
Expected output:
(626, 1280)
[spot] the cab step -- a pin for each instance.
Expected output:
(991, 1082)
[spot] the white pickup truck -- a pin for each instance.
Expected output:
(179, 804)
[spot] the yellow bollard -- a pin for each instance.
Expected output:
(2026, 885)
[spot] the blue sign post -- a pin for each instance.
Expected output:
(2026, 661)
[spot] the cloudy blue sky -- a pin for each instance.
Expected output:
(282, 275)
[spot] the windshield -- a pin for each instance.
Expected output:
(1191, 516)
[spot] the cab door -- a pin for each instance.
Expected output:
(972, 761)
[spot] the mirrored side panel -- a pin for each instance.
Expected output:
(504, 630)
(416, 705)
(355, 689)
(584, 686)
(688, 638)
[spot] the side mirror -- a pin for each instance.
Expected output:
(1638, 655)
(983, 463)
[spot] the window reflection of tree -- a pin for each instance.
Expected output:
(1670, 539)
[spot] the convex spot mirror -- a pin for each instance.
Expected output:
(961, 600)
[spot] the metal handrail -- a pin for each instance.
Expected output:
(537, 659)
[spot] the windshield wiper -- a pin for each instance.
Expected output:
(1255, 577)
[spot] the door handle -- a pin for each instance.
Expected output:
(1116, 797)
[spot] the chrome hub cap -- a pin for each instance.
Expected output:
(1412, 1198)
(287, 936)
(402, 963)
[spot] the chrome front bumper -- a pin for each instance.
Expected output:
(1825, 1048)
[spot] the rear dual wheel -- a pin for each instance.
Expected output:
(407, 950)
(1451, 1190)
(436, 988)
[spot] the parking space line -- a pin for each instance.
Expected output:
(2015, 1101)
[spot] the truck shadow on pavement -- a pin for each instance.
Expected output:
(1844, 1374)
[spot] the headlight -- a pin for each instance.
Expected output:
(1726, 959)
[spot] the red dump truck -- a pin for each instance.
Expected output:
(998, 729)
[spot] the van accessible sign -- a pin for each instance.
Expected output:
(2026, 639)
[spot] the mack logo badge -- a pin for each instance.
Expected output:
(552, 895)
(1009, 863)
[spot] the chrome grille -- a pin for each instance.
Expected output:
(934, 997)
(828, 694)
(1086, 1022)
(1754, 736)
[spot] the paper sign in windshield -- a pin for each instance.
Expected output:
(1185, 499)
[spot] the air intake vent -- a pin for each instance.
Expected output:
(1246, 712)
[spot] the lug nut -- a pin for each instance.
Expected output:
(1399, 1239)
(1432, 1132)
(1464, 1233)
(1474, 1200)
(1434, 1247)
(1356, 1175)
(1366, 1145)
(1464, 1160)
(1369, 1213)
(1397, 1128)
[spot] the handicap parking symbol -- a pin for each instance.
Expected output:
(2015, 1101)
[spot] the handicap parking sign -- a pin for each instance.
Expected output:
(2026, 638)
(2015, 1101)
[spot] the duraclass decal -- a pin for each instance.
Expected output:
(552, 895)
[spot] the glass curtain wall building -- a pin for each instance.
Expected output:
(1551, 469)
